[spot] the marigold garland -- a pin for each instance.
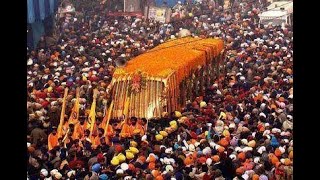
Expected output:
(137, 83)
(180, 56)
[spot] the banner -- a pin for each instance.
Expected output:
(132, 6)
(158, 14)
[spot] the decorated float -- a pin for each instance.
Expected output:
(164, 78)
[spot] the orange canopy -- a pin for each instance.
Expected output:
(179, 56)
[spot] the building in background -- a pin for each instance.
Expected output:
(40, 19)
(125, 7)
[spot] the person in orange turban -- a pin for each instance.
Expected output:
(270, 155)
(202, 160)
(216, 158)
(289, 71)
(242, 156)
(139, 127)
(188, 160)
(131, 167)
(221, 149)
(273, 106)
(126, 129)
(141, 159)
(155, 173)
(240, 170)
(255, 177)
(118, 148)
(152, 158)
(159, 177)
(224, 142)
(277, 164)
(277, 152)
(274, 160)
(53, 139)
(152, 166)
(31, 149)
(262, 129)
(195, 154)
(281, 99)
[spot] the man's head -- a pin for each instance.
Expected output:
(54, 130)
(82, 120)
(87, 132)
(133, 120)
(98, 121)
(71, 126)
(143, 121)
(100, 132)
(102, 140)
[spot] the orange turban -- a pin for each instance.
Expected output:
(152, 165)
(142, 159)
(216, 158)
(240, 170)
(224, 142)
(274, 160)
(281, 99)
(255, 177)
(221, 149)
(159, 177)
(152, 158)
(131, 167)
(242, 156)
(155, 173)
(262, 129)
(202, 160)
(277, 152)
(188, 160)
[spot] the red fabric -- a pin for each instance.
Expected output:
(193, 135)
(207, 177)
(73, 164)
(44, 104)
(42, 95)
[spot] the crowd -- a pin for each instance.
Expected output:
(240, 129)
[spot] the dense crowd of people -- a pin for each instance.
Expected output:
(240, 129)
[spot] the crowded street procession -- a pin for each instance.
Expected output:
(160, 90)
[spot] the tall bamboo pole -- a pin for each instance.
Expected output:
(108, 118)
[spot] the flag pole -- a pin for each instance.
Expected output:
(108, 118)
(92, 112)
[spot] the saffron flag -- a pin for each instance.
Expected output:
(59, 130)
(74, 116)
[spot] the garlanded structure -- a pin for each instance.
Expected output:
(164, 78)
